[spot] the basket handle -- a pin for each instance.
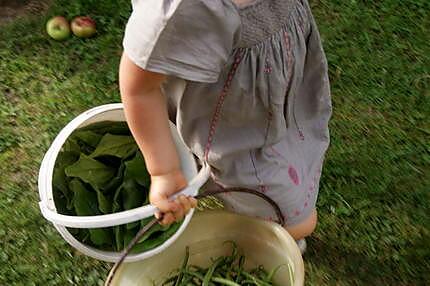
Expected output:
(120, 217)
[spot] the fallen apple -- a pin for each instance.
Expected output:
(83, 26)
(58, 28)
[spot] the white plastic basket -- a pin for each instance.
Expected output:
(111, 112)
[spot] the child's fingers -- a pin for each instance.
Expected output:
(193, 202)
(182, 206)
(185, 202)
(158, 215)
(168, 218)
(164, 205)
(180, 212)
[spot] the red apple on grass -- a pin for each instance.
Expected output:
(83, 27)
(58, 28)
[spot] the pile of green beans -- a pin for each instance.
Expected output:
(224, 270)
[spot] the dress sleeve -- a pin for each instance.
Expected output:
(189, 39)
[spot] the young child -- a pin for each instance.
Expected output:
(246, 83)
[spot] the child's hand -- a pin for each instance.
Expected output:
(162, 187)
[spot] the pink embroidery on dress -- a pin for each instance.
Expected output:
(275, 151)
(267, 68)
(293, 175)
(217, 112)
(301, 136)
(296, 212)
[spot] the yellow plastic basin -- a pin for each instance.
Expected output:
(263, 243)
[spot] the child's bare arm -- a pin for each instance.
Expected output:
(146, 113)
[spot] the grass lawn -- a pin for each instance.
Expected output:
(375, 191)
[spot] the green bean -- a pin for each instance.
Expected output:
(197, 268)
(196, 281)
(196, 275)
(169, 280)
(252, 282)
(223, 281)
(187, 279)
(184, 264)
(273, 272)
(211, 270)
(241, 263)
(234, 252)
(255, 279)
(225, 270)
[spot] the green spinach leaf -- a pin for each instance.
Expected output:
(88, 137)
(105, 203)
(132, 195)
(156, 240)
(60, 201)
(135, 169)
(116, 181)
(59, 179)
(119, 237)
(115, 145)
(84, 201)
(112, 127)
(86, 204)
(91, 171)
(71, 146)
(129, 234)
(101, 236)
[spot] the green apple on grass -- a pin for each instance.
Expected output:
(58, 28)
(83, 26)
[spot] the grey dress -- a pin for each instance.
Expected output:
(249, 90)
